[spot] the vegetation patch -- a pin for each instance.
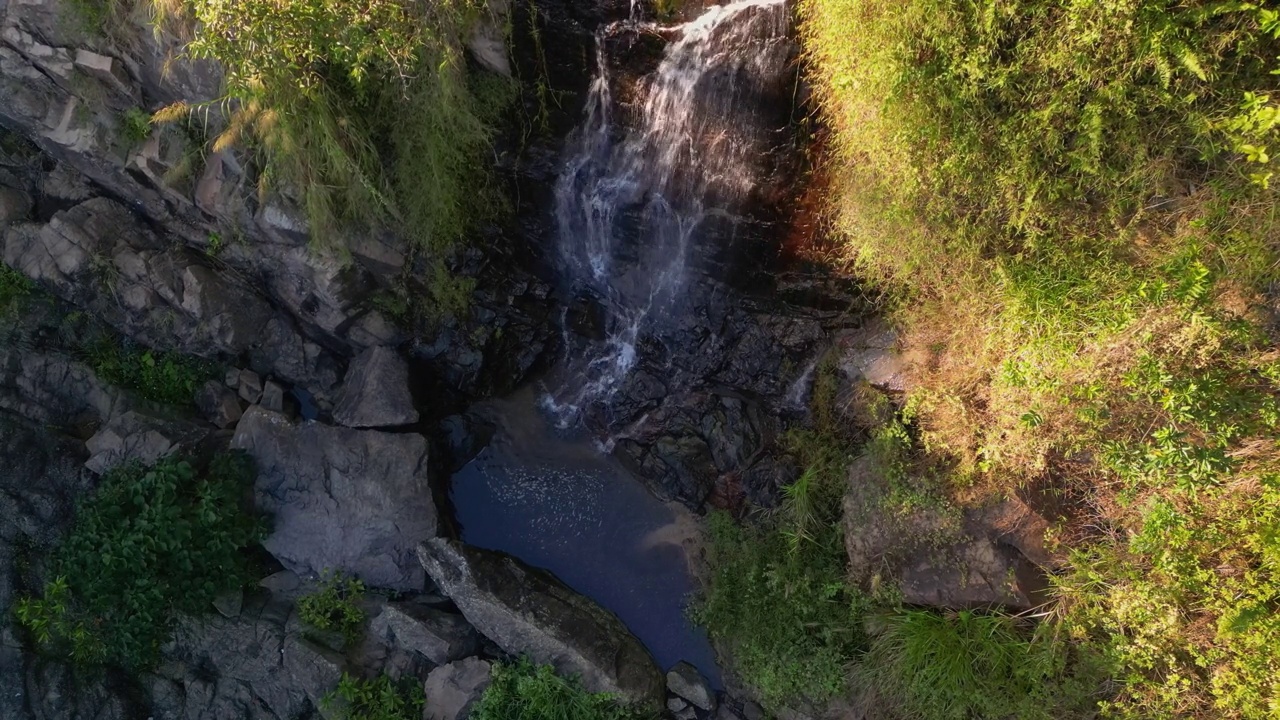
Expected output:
(335, 607)
(166, 377)
(524, 691)
(377, 699)
(13, 286)
(150, 543)
(1072, 206)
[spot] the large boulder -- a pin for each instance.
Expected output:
(376, 391)
(438, 636)
(356, 501)
(529, 612)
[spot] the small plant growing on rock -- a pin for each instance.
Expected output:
(135, 126)
(377, 699)
(335, 606)
(151, 543)
(166, 377)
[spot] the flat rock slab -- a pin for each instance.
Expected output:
(355, 501)
(375, 392)
(527, 611)
(453, 690)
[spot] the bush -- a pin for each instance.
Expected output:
(335, 606)
(377, 699)
(149, 544)
(13, 286)
(523, 691)
(166, 377)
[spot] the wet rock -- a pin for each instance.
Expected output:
(453, 689)
(436, 635)
(218, 404)
(530, 612)
(375, 392)
(355, 501)
(870, 354)
(685, 681)
(133, 436)
(250, 386)
(464, 437)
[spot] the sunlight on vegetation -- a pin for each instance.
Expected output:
(366, 112)
(1072, 206)
(149, 544)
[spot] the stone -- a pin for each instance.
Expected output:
(488, 41)
(272, 397)
(133, 436)
(752, 711)
(675, 704)
(353, 501)
(103, 67)
(232, 379)
(438, 636)
(375, 392)
(527, 611)
(689, 713)
(453, 689)
(15, 205)
(250, 386)
(685, 681)
(870, 354)
(218, 404)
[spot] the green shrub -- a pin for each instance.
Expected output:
(523, 691)
(166, 377)
(970, 666)
(377, 699)
(135, 126)
(149, 544)
(13, 285)
(335, 607)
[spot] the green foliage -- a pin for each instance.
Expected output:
(1072, 203)
(335, 606)
(366, 110)
(149, 544)
(970, 666)
(135, 126)
(166, 377)
(13, 286)
(666, 9)
(377, 699)
(523, 691)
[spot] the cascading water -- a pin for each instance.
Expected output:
(631, 211)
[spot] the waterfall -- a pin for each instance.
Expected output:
(639, 196)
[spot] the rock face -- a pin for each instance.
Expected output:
(375, 392)
(356, 501)
(453, 689)
(438, 636)
(133, 436)
(530, 612)
(983, 557)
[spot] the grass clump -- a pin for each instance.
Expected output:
(1071, 205)
(135, 126)
(166, 377)
(149, 544)
(524, 691)
(335, 606)
(964, 665)
(377, 699)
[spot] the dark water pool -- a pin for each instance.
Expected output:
(556, 502)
